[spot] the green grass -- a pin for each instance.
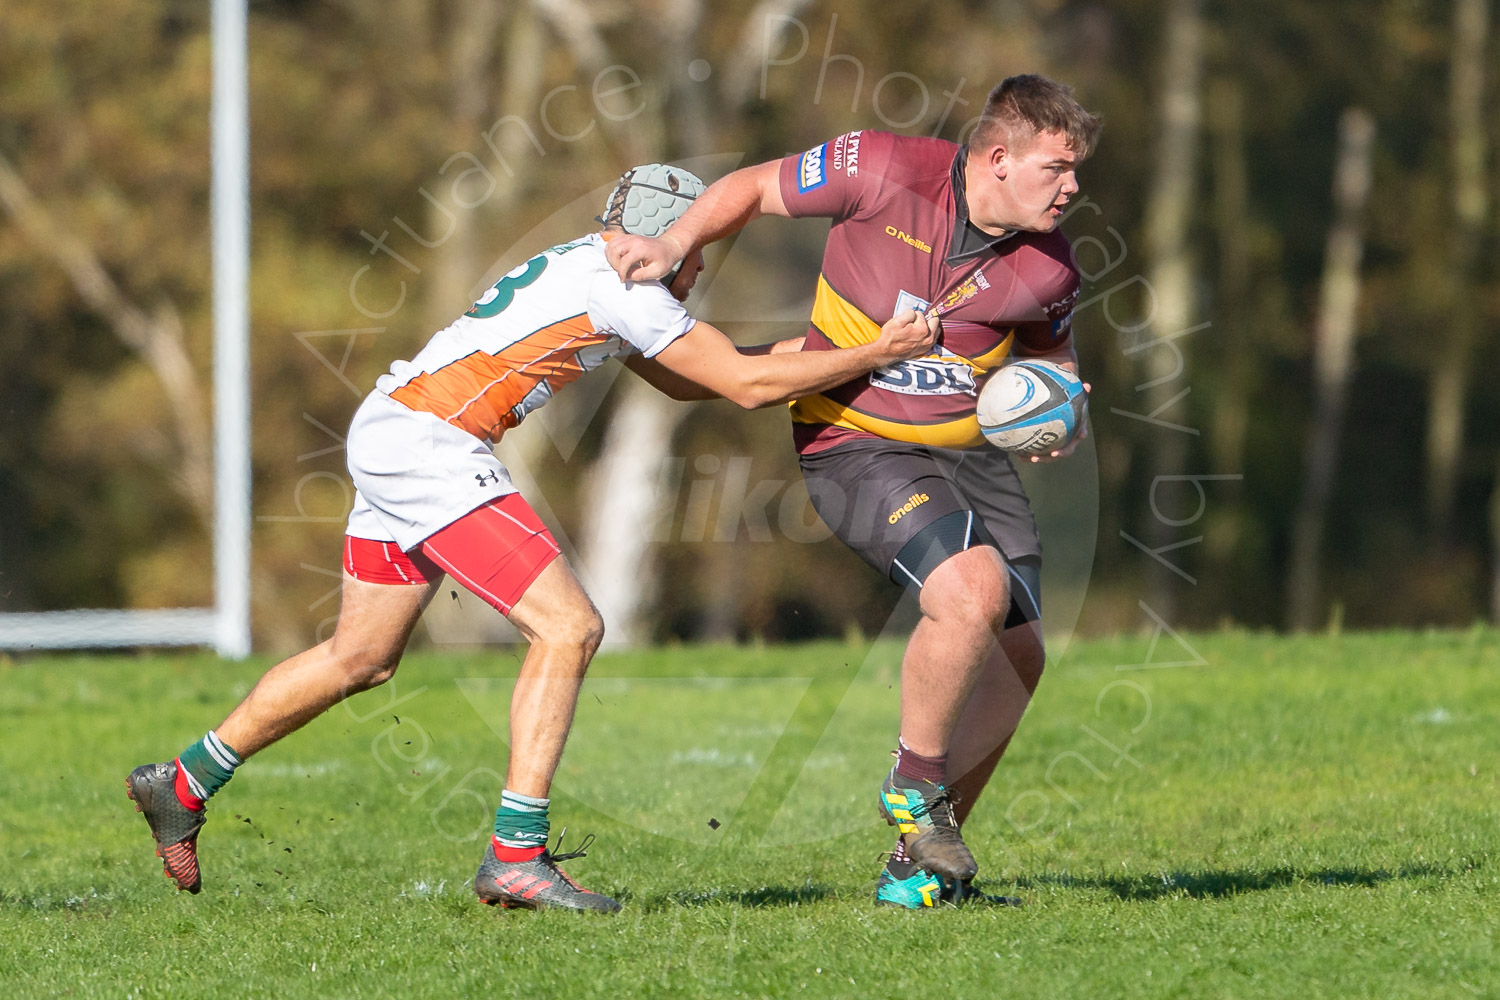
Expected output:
(1312, 817)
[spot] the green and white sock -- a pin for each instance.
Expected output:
(207, 765)
(521, 821)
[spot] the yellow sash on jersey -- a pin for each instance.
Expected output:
(846, 326)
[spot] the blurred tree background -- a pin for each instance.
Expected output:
(1289, 241)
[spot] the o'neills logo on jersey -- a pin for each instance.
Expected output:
(908, 239)
(912, 503)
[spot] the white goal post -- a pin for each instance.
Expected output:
(225, 626)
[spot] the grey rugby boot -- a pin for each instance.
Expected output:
(538, 884)
(173, 825)
(923, 812)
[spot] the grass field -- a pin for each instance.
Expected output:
(1312, 817)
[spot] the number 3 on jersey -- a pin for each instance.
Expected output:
(503, 292)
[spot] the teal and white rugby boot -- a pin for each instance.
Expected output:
(903, 884)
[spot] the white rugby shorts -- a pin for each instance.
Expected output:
(414, 473)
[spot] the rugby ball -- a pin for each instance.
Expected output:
(1032, 407)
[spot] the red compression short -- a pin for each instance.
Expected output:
(495, 551)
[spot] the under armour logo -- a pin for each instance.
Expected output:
(486, 477)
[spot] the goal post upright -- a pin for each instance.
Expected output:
(225, 626)
(231, 311)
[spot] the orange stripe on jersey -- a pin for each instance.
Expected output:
(478, 392)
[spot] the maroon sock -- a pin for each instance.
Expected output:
(910, 764)
(898, 854)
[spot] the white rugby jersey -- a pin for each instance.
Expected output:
(562, 313)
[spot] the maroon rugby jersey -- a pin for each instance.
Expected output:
(901, 239)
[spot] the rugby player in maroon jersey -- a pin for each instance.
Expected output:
(894, 461)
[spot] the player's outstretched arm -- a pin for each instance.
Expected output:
(723, 209)
(706, 357)
(668, 382)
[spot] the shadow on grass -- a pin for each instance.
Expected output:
(1230, 882)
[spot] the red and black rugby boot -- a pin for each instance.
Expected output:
(537, 883)
(152, 787)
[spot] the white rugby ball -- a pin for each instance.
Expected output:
(1032, 407)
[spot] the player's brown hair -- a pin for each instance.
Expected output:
(1023, 107)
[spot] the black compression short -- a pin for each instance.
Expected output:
(904, 508)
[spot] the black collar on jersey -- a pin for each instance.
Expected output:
(969, 241)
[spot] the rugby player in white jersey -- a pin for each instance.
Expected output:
(433, 500)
